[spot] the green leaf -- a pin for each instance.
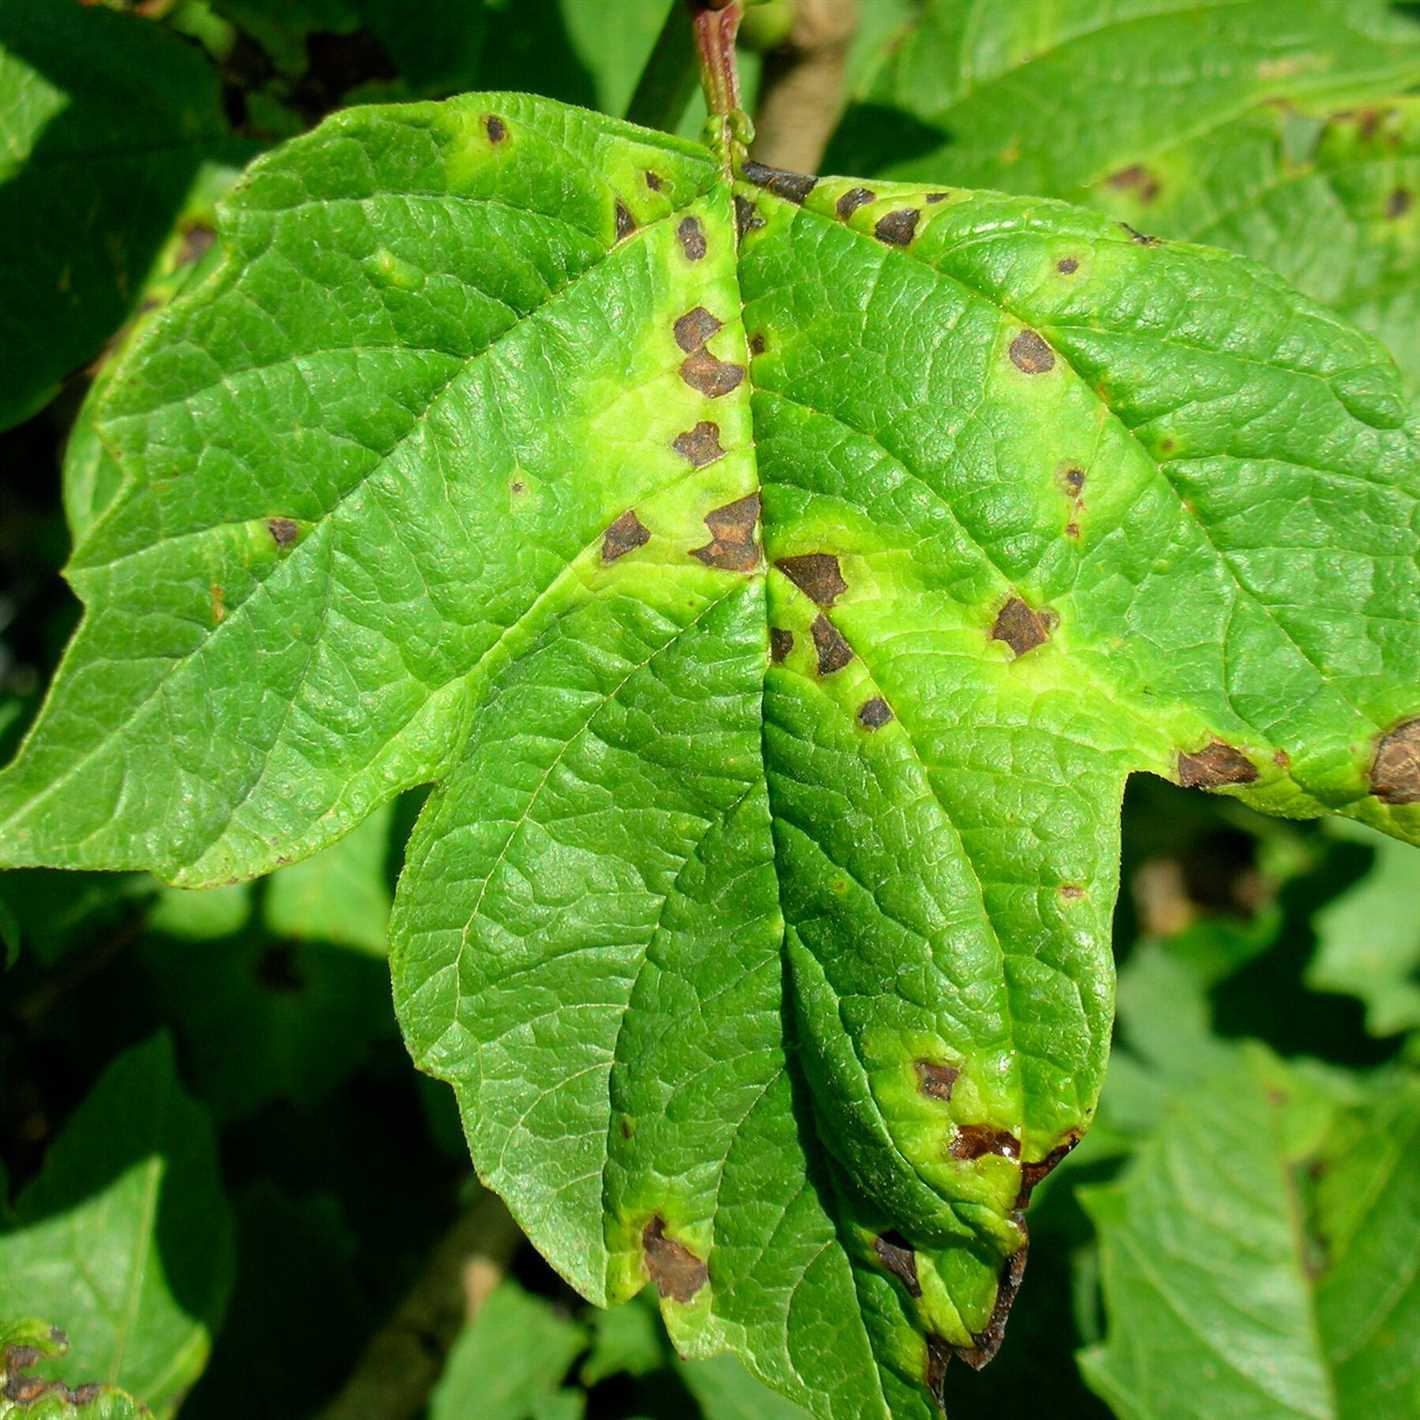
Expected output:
(23, 1344)
(1368, 939)
(1260, 1256)
(124, 1238)
(726, 1391)
(106, 121)
(1281, 141)
(508, 1361)
(760, 917)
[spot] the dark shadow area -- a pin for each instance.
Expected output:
(872, 136)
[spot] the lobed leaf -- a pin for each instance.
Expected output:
(778, 580)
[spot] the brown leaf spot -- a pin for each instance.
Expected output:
(938, 196)
(1032, 1174)
(82, 1395)
(700, 445)
(896, 1254)
(1139, 179)
(654, 181)
(852, 200)
(713, 377)
(694, 328)
(283, 531)
(988, 1342)
(625, 222)
(897, 228)
(747, 218)
(816, 574)
(676, 1271)
(1031, 354)
(1215, 764)
(1074, 480)
(219, 603)
(1067, 266)
(196, 243)
(1395, 771)
(781, 642)
(1071, 892)
(833, 651)
(1021, 627)
(732, 546)
(495, 128)
(625, 535)
(792, 186)
(691, 236)
(973, 1141)
(1399, 203)
(1282, 759)
(939, 1357)
(935, 1080)
(1072, 529)
(875, 713)
(1143, 238)
(756, 343)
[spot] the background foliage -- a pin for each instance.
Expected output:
(220, 1174)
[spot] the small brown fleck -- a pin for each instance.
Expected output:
(676, 1271)
(988, 1342)
(82, 1395)
(713, 377)
(518, 486)
(654, 181)
(625, 222)
(694, 328)
(1395, 771)
(1215, 764)
(691, 236)
(972, 1141)
(897, 228)
(701, 445)
(939, 1357)
(816, 574)
(1282, 759)
(626, 1130)
(1399, 203)
(732, 546)
(496, 129)
(852, 200)
(219, 603)
(781, 642)
(1067, 266)
(1138, 178)
(1074, 479)
(625, 535)
(875, 713)
(1143, 238)
(1071, 892)
(1072, 529)
(756, 343)
(1033, 1174)
(833, 651)
(938, 196)
(1167, 444)
(283, 531)
(1022, 627)
(896, 1254)
(1031, 354)
(747, 218)
(196, 243)
(792, 186)
(935, 1080)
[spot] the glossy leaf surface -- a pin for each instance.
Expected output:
(778, 582)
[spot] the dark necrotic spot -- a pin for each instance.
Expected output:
(852, 200)
(747, 218)
(694, 328)
(496, 129)
(1395, 771)
(875, 713)
(896, 1254)
(1021, 627)
(711, 376)
(816, 574)
(938, 196)
(833, 651)
(939, 1357)
(653, 181)
(82, 1395)
(973, 1141)
(792, 186)
(1067, 266)
(1143, 238)
(626, 534)
(756, 343)
(1071, 892)
(283, 531)
(1031, 354)
(1074, 479)
(935, 1080)
(625, 222)
(692, 238)
(1399, 202)
(732, 546)
(781, 642)
(898, 227)
(1215, 764)
(988, 1341)
(1033, 1174)
(1072, 529)
(676, 1271)
(700, 445)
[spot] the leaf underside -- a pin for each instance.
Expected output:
(778, 582)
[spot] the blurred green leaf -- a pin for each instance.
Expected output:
(124, 1239)
(628, 1339)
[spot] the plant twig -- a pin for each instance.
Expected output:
(801, 95)
(405, 1357)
